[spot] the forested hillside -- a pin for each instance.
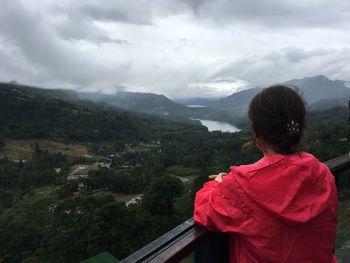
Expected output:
(38, 113)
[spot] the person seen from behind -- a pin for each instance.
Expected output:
(283, 208)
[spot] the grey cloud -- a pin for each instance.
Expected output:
(194, 4)
(77, 43)
(295, 54)
(289, 63)
(186, 42)
(298, 54)
(82, 30)
(268, 13)
(136, 12)
(224, 79)
(115, 14)
(78, 25)
(52, 58)
(9, 69)
(273, 13)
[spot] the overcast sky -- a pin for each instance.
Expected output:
(180, 48)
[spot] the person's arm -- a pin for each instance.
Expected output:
(218, 206)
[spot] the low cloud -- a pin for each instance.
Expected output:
(39, 47)
(289, 63)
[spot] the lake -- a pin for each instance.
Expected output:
(196, 106)
(218, 126)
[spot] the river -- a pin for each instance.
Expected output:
(218, 126)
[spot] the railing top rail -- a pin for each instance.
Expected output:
(178, 242)
(339, 164)
(172, 246)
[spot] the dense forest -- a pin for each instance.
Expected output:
(48, 213)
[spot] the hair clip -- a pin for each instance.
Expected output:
(293, 127)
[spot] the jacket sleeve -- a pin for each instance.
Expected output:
(218, 206)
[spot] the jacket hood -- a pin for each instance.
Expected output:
(295, 188)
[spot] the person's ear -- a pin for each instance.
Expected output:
(259, 143)
(253, 136)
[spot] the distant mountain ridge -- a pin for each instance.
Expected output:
(237, 103)
(319, 92)
(320, 88)
(30, 91)
(157, 104)
(137, 101)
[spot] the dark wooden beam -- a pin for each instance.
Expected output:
(172, 246)
(339, 164)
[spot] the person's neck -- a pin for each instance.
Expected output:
(268, 151)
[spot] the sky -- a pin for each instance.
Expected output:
(180, 48)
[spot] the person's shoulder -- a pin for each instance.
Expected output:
(306, 155)
(312, 162)
(308, 158)
(261, 164)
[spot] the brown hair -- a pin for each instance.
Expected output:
(277, 115)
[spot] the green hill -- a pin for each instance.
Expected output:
(27, 112)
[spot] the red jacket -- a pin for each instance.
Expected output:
(281, 209)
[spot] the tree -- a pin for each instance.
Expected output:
(159, 197)
(2, 142)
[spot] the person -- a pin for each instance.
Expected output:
(282, 208)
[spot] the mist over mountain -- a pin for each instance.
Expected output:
(320, 93)
(157, 104)
(32, 92)
(196, 101)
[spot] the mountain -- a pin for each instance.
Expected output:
(29, 91)
(28, 112)
(237, 103)
(157, 104)
(136, 101)
(319, 93)
(329, 103)
(320, 88)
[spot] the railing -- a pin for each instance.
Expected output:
(337, 166)
(207, 246)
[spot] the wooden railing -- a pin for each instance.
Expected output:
(207, 246)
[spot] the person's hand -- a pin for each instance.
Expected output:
(217, 177)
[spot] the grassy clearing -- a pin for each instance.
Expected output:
(81, 169)
(185, 179)
(142, 147)
(22, 149)
(182, 171)
(124, 197)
